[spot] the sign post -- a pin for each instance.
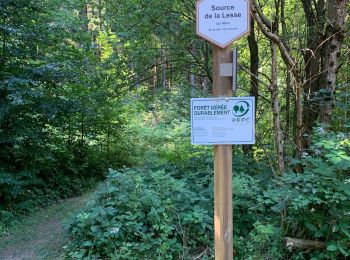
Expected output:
(223, 232)
(221, 22)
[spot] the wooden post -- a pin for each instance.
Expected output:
(222, 86)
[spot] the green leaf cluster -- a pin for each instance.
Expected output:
(143, 214)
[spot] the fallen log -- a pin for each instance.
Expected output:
(294, 243)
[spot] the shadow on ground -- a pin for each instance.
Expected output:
(42, 234)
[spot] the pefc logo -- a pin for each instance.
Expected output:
(241, 108)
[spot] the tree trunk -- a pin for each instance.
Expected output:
(254, 69)
(84, 17)
(108, 142)
(288, 76)
(3, 57)
(336, 13)
(299, 118)
(82, 126)
(192, 82)
(276, 110)
(321, 58)
(207, 69)
(205, 85)
(164, 68)
(312, 54)
(155, 78)
(164, 75)
(192, 75)
(100, 8)
(70, 139)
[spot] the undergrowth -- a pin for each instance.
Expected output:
(167, 212)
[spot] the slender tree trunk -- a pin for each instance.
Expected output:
(192, 75)
(70, 131)
(100, 8)
(288, 77)
(346, 91)
(170, 75)
(207, 68)
(164, 68)
(205, 84)
(108, 142)
(299, 117)
(3, 54)
(254, 69)
(155, 78)
(278, 135)
(192, 82)
(164, 74)
(288, 103)
(82, 126)
(84, 17)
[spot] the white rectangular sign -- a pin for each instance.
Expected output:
(223, 120)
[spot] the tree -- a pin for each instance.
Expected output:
(317, 65)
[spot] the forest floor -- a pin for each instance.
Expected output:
(42, 234)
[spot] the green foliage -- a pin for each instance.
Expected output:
(160, 132)
(61, 123)
(317, 201)
(314, 206)
(263, 242)
(140, 214)
(89, 85)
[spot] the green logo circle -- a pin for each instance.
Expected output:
(241, 108)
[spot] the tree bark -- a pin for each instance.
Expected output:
(321, 58)
(299, 117)
(254, 69)
(278, 135)
(155, 78)
(313, 54)
(84, 17)
(4, 54)
(336, 13)
(288, 76)
(82, 126)
(294, 243)
(192, 75)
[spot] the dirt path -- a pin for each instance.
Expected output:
(41, 235)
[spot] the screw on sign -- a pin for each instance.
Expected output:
(222, 22)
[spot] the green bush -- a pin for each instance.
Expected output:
(317, 201)
(143, 215)
(152, 213)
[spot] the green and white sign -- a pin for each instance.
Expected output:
(223, 120)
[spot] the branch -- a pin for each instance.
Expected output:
(263, 25)
(264, 19)
(244, 68)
